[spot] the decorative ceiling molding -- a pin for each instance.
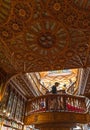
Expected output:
(84, 81)
(87, 88)
(25, 85)
(22, 84)
(31, 84)
(19, 90)
(44, 32)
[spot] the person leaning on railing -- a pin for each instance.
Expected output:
(54, 88)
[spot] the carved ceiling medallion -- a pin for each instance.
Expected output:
(47, 34)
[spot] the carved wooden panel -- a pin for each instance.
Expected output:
(56, 117)
(44, 35)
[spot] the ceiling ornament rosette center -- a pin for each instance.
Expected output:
(47, 36)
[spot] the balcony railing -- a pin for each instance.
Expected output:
(57, 102)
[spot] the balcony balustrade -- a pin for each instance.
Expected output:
(57, 103)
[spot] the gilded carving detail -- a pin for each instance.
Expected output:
(57, 30)
(52, 37)
(22, 11)
(5, 9)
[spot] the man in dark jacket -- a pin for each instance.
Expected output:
(54, 88)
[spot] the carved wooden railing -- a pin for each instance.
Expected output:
(58, 103)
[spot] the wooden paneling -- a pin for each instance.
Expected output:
(57, 117)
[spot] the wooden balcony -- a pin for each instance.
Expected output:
(58, 103)
(59, 108)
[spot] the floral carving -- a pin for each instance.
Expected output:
(16, 25)
(47, 37)
(83, 5)
(84, 21)
(52, 33)
(5, 33)
(56, 8)
(70, 17)
(22, 11)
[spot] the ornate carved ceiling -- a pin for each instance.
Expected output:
(38, 35)
(41, 35)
